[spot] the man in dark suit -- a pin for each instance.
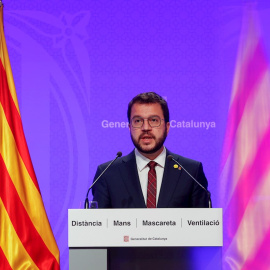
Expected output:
(145, 177)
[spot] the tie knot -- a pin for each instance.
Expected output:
(152, 164)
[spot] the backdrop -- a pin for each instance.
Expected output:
(77, 64)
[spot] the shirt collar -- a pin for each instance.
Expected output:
(142, 161)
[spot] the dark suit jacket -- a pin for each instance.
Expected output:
(120, 187)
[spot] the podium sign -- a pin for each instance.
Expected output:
(160, 227)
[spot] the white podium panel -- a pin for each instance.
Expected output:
(160, 227)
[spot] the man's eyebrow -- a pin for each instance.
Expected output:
(147, 117)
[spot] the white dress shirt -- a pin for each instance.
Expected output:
(143, 169)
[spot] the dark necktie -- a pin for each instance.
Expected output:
(152, 185)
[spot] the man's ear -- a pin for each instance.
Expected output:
(168, 127)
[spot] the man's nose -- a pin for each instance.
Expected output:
(146, 125)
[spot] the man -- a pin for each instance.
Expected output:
(145, 177)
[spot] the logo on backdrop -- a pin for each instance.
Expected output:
(126, 238)
(174, 124)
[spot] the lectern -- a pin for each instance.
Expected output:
(158, 238)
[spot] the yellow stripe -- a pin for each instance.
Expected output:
(24, 185)
(254, 224)
(6, 63)
(11, 245)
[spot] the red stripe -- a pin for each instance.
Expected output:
(4, 264)
(260, 260)
(25, 229)
(249, 180)
(15, 123)
(246, 87)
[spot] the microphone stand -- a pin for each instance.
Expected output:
(170, 157)
(86, 202)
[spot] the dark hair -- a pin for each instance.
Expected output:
(150, 98)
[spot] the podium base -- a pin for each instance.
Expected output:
(145, 258)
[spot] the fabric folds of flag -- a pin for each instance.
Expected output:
(245, 169)
(26, 238)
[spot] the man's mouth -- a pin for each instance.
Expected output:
(146, 138)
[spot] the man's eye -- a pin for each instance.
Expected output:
(137, 120)
(153, 120)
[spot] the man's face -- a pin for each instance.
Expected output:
(148, 140)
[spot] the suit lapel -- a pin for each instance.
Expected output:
(130, 177)
(170, 179)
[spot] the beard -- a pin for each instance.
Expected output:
(158, 142)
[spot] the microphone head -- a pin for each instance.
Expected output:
(119, 154)
(169, 157)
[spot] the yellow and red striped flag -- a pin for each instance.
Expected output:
(26, 238)
(245, 178)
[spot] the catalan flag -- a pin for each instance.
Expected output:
(26, 239)
(245, 175)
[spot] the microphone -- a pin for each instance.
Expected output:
(86, 202)
(170, 157)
